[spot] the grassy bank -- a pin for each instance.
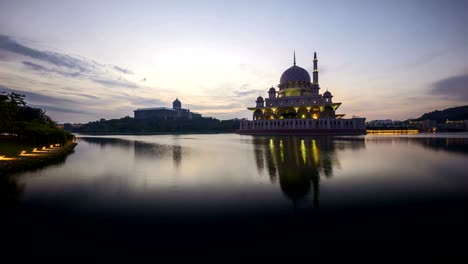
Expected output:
(13, 148)
(34, 160)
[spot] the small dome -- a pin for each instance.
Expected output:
(272, 89)
(176, 103)
(259, 99)
(327, 94)
(295, 73)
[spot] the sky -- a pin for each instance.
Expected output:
(85, 60)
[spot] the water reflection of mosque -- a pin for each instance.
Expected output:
(299, 162)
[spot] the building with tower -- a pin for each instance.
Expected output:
(176, 112)
(297, 106)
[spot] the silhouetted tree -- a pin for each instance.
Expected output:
(28, 123)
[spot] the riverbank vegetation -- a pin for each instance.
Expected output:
(128, 125)
(36, 158)
(440, 116)
(29, 138)
(27, 125)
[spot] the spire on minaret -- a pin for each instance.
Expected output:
(294, 58)
(315, 73)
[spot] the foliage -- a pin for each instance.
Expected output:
(142, 126)
(29, 124)
(454, 113)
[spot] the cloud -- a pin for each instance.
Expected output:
(432, 55)
(147, 102)
(35, 67)
(115, 83)
(245, 90)
(455, 87)
(106, 82)
(37, 97)
(202, 107)
(60, 109)
(42, 69)
(7, 44)
(122, 70)
(86, 96)
(245, 93)
(66, 66)
(48, 103)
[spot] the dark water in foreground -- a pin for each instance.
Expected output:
(229, 194)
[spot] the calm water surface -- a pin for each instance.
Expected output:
(225, 192)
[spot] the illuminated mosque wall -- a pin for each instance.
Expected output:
(298, 106)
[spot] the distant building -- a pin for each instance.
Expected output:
(385, 122)
(447, 126)
(425, 125)
(299, 107)
(176, 112)
(453, 126)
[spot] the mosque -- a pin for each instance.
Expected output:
(298, 107)
(176, 112)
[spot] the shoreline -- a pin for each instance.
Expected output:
(22, 164)
(151, 133)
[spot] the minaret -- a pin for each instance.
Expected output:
(294, 58)
(315, 74)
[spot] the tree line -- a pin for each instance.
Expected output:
(454, 113)
(28, 124)
(131, 125)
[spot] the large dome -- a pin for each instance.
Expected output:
(295, 73)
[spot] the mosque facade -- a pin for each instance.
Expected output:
(176, 112)
(297, 106)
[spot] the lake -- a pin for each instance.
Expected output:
(391, 195)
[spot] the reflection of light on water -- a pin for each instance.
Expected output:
(315, 151)
(303, 151)
(281, 151)
(393, 131)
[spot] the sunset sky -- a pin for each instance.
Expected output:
(85, 60)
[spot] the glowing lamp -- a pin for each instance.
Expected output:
(3, 158)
